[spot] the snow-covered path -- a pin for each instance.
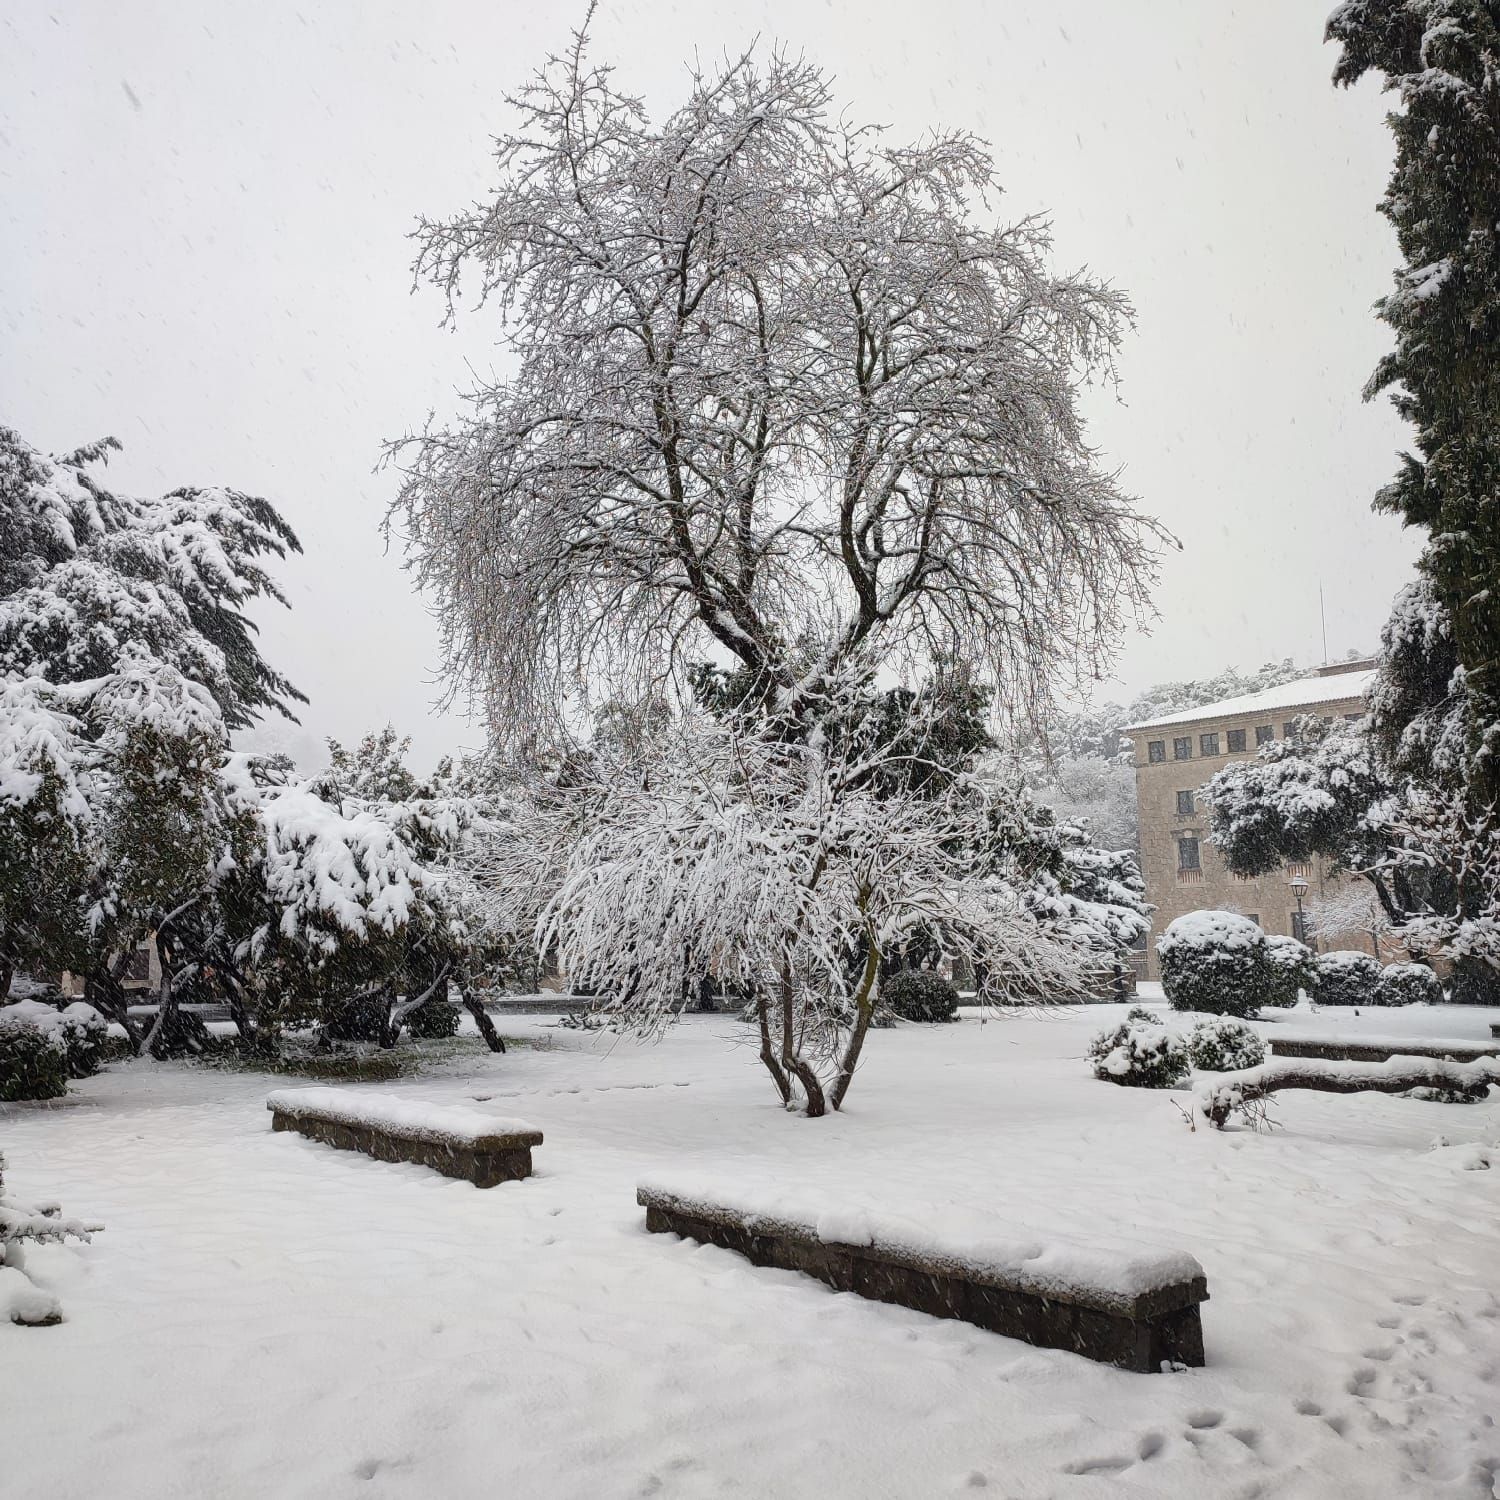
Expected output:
(265, 1317)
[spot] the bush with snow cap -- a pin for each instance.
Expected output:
(1216, 961)
(1410, 984)
(33, 1059)
(1349, 978)
(919, 995)
(1294, 969)
(1224, 1045)
(78, 1027)
(1139, 1054)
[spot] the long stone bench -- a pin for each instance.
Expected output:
(1380, 1048)
(1137, 1311)
(463, 1143)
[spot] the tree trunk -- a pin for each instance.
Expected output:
(1472, 1080)
(475, 1007)
(396, 1014)
(864, 1009)
(767, 1053)
(791, 1058)
(102, 990)
(166, 1002)
(7, 973)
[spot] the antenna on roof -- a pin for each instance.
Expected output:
(1323, 615)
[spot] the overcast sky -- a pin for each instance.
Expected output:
(203, 219)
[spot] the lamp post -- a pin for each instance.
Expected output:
(1299, 890)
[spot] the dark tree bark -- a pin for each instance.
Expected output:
(475, 1007)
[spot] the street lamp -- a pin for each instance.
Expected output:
(1299, 890)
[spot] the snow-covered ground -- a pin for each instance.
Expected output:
(267, 1317)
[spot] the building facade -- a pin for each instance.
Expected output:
(1176, 754)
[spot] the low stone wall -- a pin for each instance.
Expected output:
(485, 1159)
(1337, 1049)
(1142, 1331)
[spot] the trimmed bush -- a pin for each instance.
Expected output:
(1410, 984)
(1139, 1055)
(79, 1027)
(1348, 978)
(434, 1020)
(1224, 1045)
(1294, 968)
(1217, 962)
(1139, 1013)
(33, 1059)
(919, 995)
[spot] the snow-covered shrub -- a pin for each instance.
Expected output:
(33, 1059)
(1410, 984)
(436, 1019)
(1224, 1045)
(1215, 961)
(1294, 969)
(1348, 978)
(79, 1027)
(20, 1300)
(1139, 1055)
(1139, 1014)
(919, 995)
(1474, 983)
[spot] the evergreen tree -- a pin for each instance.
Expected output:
(1442, 59)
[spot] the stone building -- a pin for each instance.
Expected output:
(1176, 754)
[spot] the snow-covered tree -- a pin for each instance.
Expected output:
(85, 571)
(777, 399)
(768, 865)
(1441, 58)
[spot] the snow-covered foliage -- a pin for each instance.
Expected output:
(1300, 799)
(1410, 984)
(1215, 961)
(33, 1058)
(776, 398)
(1139, 1054)
(918, 995)
(84, 572)
(21, 1301)
(79, 1027)
(785, 871)
(1442, 60)
(1346, 977)
(1293, 969)
(1223, 1045)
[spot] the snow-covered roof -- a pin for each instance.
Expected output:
(1305, 692)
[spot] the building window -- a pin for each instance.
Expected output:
(1254, 917)
(1208, 744)
(1289, 730)
(1264, 733)
(1353, 718)
(1184, 804)
(1156, 751)
(1236, 740)
(1182, 747)
(1187, 855)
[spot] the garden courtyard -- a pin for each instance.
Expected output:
(265, 1316)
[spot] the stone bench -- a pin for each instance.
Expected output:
(1137, 1311)
(464, 1143)
(1380, 1048)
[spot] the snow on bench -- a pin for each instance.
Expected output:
(1349, 1047)
(467, 1143)
(1231, 1092)
(1126, 1307)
